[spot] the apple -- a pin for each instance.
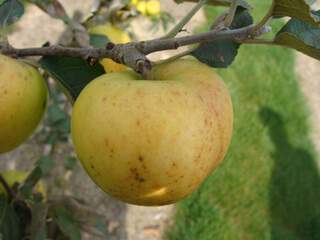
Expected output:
(153, 142)
(115, 35)
(13, 176)
(23, 98)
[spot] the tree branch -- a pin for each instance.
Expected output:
(132, 54)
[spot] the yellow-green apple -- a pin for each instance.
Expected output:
(153, 142)
(23, 97)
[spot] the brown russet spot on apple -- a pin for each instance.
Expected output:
(142, 161)
(137, 175)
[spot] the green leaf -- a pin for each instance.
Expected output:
(299, 9)
(70, 162)
(42, 167)
(220, 54)
(301, 36)
(55, 114)
(33, 178)
(72, 73)
(45, 163)
(10, 12)
(98, 41)
(59, 123)
(67, 224)
(10, 226)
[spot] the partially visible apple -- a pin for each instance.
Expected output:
(13, 176)
(23, 98)
(153, 142)
(115, 35)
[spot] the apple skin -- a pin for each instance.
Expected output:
(153, 142)
(23, 98)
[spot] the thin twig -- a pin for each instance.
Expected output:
(257, 41)
(177, 56)
(231, 13)
(225, 3)
(266, 18)
(173, 32)
(211, 36)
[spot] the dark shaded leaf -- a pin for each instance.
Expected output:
(10, 12)
(33, 178)
(73, 73)
(10, 226)
(220, 54)
(301, 36)
(42, 167)
(299, 9)
(98, 41)
(67, 224)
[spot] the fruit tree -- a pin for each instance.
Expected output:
(146, 132)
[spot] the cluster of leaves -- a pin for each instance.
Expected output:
(301, 32)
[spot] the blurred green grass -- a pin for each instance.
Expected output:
(268, 186)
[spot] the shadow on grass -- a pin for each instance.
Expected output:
(294, 187)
